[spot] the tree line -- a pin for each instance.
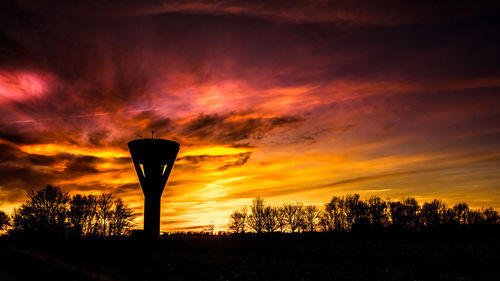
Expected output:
(350, 212)
(53, 211)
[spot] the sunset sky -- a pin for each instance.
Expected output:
(289, 100)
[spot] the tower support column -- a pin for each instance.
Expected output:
(152, 210)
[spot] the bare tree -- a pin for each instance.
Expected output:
(82, 214)
(325, 221)
(397, 214)
(432, 213)
(334, 216)
(405, 214)
(450, 217)
(121, 218)
(210, 228)
(412, 209)
(461, 212)
(475, 217)
(326, 218)
(377, 211)
(294, 215)
(280, 218)
(352, 213)
(77, 213)
(483, 216)
(256, 218)
(4, 220)
(356, 211)
(270, 219)
(90, 225)
(104, 213)
(491, 216)
(311, 213)
(238, 220)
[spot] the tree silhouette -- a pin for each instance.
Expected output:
(52, 211)
(324, 221)
(294, 215)
(104, 213)
(256, 218)
(334, 215)
(4, 220)
(476, 217)
(450, 217)
(377, 211)
(280, 218)
(412, 209)
(238, 220)
(45, 211)
(396, 211)
(405, 214)
(269, 217)
(461, 212)
(327, 218)
(432, 213)
(210, 228)
(311, 213)
(121, 218)
(82, 214)
(491, 216)
(356, 211)
(352, 213)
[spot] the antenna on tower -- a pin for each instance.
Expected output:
(152, 134)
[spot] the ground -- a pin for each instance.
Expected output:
(443, 256)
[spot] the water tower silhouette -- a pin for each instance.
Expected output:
(153, 161)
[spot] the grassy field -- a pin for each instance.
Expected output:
(444, 256)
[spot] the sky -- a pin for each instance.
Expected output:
(288, 100)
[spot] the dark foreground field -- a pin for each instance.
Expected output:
(445, 256)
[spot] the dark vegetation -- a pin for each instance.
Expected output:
(4, 220)
(55, 236)
(469, 254)
(53, 212)
(351, 213)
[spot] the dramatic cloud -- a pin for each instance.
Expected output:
(292, 100)
(388, 12)
(223, 162)
(233, 128)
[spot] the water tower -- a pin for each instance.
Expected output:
(153, 161)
